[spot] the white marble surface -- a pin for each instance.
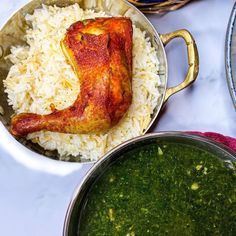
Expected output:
(34, 193)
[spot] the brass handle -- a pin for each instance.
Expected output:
(193, 59)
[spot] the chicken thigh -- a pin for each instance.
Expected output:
(100, 53)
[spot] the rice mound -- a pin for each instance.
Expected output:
(41, 76)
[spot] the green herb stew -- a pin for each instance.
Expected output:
(163, 189)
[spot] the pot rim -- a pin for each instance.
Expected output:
(156, 111)
(194, 137)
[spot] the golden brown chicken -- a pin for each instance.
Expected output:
(100, 53)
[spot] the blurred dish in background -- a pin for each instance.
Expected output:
(158, 6)
(230, 55)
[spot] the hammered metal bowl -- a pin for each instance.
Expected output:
(13, 31)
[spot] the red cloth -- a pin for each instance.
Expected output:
(226, 140)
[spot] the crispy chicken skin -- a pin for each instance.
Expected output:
(100, 53)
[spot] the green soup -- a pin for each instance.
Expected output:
(164, 189)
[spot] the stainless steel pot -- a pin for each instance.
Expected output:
(12, 33)
(79, 197)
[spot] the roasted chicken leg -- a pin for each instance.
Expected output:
(100, 53)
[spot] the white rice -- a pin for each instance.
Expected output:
(41, 76)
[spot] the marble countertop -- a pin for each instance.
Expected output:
(35, 193)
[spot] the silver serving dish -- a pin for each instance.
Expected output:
(13, 31)
(79, 197)
(230, 55)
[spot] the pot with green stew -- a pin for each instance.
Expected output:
(158, 184)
